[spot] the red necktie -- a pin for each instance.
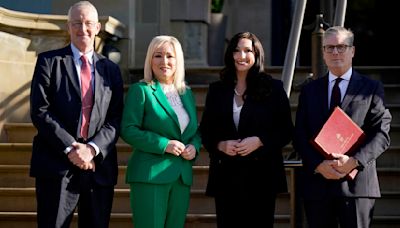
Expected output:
(336, 96)
(87, 95)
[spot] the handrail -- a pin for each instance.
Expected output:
(291, 51)
(340, 13)
(292, 163)
(295, 31)
(291, 166)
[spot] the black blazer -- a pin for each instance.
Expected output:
(364, 103)
(270, 120)
(56, 109)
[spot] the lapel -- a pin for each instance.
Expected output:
(226, 97)
(352, 90)
(187, 102)
(163, 101)
(98, 93)
(244, 114)
(71, 69)
(322, 95)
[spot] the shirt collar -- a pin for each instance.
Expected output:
(346, 76)
(77, 54)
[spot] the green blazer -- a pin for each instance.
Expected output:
(148, 123)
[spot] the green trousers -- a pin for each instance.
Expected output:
(159, 205)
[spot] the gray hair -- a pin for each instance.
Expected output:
(335, 30)
(82, 4)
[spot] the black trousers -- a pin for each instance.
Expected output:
(239, 211)
(57, 199)
(244, 197)
(346, 212)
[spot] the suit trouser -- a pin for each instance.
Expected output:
(57, 199)
(159, 205)
(348, 212)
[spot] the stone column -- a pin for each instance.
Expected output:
(252, 16)
(189, 23)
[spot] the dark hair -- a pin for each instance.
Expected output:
(258, 82)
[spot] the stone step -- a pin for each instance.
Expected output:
(18, 176)
(392, 96)
(123, 220)
(385, 222)
(15, 153)
(23, 200)
(12, 174)
(389, 179)
(20, 154)
(390, 158)
(388, 205)
(393, 108)
(19, 132)
(200, 178)
(199, 79)
(118, 220)
(386, 74)
(395, 135)
(24, 132)
(392, 93)
(395, 111)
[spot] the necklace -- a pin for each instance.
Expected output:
(237, 93)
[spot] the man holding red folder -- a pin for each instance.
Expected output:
(331, 199)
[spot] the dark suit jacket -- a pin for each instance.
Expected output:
(56, 110)
(270, 120)
(364, 103)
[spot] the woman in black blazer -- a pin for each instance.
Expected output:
(245, 124)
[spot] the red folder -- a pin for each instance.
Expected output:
(339, 135)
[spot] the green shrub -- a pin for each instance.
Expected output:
(216, 6)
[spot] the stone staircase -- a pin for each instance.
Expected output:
(17, 193)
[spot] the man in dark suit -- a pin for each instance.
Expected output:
(329, 197)
(74, 156)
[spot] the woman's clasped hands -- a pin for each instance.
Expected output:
(241, 147)
(177, 148)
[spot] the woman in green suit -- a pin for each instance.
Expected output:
(160, 123)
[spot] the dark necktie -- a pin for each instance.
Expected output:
(336, 96)
(87, 96)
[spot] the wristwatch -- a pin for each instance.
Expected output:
(358, 165)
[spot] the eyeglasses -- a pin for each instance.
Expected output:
(339, 48)
(79, 24)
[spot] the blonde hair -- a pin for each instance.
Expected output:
(179, 76)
